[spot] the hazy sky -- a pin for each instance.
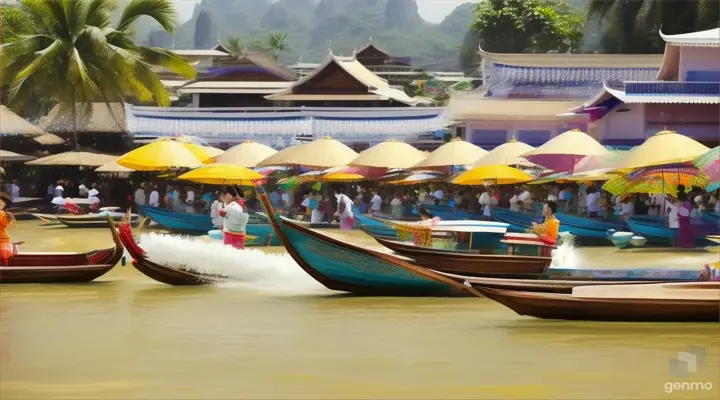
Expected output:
(430, 10)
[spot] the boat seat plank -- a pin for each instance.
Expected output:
(527, 243)
(674, 291)
(46, 253)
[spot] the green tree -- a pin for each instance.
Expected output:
(235, 44)
(75, 56)
(631, 26)
(13, 24)
(516, 26)
(276, 43)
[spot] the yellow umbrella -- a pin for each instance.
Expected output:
(220, 174)
(211, 151)
(491, 175)
(330, 175)
(666, 147)
(506, 154)
(321, 153)
(165, 154)
(248, 154)
(456, 152)
(389, 154)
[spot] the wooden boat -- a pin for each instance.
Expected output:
(470, 264)
(257, 227)
(342, 266)
(93, 220)
(521, 222)
(170, 275)
(53, 267)
(664, 302)
(658, 233)
(564, 280)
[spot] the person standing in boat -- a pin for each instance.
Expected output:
(684, 232)
(550, 229)
(215, 208)
(7, 248)
(234, 219)
(344, 211)
(488, 202)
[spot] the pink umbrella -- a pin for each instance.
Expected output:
(563, 152)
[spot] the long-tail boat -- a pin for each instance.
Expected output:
(520, 221)
(664, 302)
(54, 267)
(174, 275)
(657, 232)
(342, 266)
(469, 263)
(564, 280)
(94, 220)
(257, 227)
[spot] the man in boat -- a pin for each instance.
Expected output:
(7, 248)
(550, 229)
(234, 218)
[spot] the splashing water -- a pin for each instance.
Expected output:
(251, 268)
(566, 255)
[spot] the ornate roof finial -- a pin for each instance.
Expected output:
(370, 40)
(330, 47)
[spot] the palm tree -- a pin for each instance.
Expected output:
(235, 45)
(76, 57)
(276, 43)
(631, 26)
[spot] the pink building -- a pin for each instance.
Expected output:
(529, 96)
(684, 96)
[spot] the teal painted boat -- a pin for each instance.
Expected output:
(342, 266)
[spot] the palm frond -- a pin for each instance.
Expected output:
(162, 11)
(168, 59)
(42, 58)
(99, 12)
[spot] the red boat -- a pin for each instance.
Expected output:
(49, 267)
(170, 275)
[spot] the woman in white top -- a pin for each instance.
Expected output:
(235, 219)
(488, 202)
(344, 211)
(215, 208)
(396, 208)
(375, 203)
(626, 207)
(514, 206)
(316, 216)
(592, 202)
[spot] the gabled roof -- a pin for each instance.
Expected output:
(389, 59)
(575, 60)
(708, 38)
(13, 124)
(375, 85)
(222, 48)
(272, 65)
(371, 46)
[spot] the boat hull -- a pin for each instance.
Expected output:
(91, 221)
(567, 307)
(537, 285)
(659, 234)
(168, 275)
(469, 264)
(61, 267)
(344, 267)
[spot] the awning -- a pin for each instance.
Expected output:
(663, 98)
(472, 108)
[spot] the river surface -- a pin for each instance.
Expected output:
(128, 337)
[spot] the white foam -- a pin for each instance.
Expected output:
(250, 268)
(566, 254)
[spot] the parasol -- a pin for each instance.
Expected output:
(656, 181)
(415, 178)
(709, 163)
(7, 156)
(112, 166)
(336, 174)
(212, 151)
(321, 153)
(491, 175)
(666, 147)
(74, 158)
(165, 154)
(49, 139)
(564, 151)
(247, 154)
(389, 154)
(220, 174)
(453, 153)
(12, 124)
(506, 154)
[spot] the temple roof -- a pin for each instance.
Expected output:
(575, 60)
(236, 87)
(708, 38)
(377, 88)
(371, 50)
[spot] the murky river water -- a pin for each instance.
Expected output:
(127, 337)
